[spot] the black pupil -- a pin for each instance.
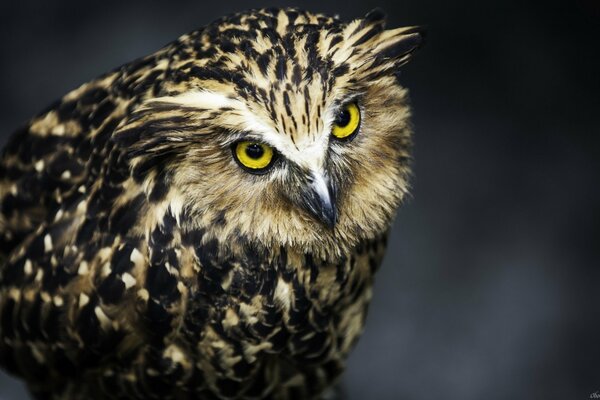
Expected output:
(343, 118)
(254, 151)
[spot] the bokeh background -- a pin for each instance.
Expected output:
(491, 285)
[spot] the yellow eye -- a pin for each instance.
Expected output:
(346, 122)
(253, 156)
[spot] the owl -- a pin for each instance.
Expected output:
(205, 222)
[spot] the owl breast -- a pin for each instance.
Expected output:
(254, 322)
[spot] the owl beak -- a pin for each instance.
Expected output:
(319, 200)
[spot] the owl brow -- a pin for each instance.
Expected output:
(200, 99)
(354, 96)
(254, 137)
(232, 136)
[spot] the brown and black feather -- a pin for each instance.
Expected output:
(141, 263)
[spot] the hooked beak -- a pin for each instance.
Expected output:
(319, 200)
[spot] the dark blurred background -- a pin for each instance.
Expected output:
(491, 286)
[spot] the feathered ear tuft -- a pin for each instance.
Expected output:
(386, 50)
(397, 45)
(365, 29)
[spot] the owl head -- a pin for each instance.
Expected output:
(278, 127)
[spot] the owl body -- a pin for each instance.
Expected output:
(147, 256)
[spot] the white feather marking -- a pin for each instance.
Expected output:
(282, 294)
(136, 257)
(128, 280)
(81, 207)
(47, 243)
(39, 165)
(200, 99)
(59, 214)
(176, 205)
(83, 299)
(39, 275)
(28, 268)
(102, 317)
(58, 301)
(83, 268)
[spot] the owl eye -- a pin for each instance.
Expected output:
(346, 122)
(253, 156)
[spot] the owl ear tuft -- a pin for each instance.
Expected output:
(366, 28)
(388, 49)
(397, 45)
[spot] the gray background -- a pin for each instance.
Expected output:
(490, 288)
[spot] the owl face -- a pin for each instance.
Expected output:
(288, 126)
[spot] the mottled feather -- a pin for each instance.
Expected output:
(141, 262)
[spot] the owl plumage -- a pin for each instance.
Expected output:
(147, 255)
